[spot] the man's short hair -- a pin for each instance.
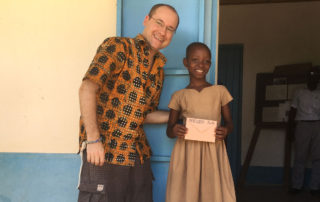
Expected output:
(155, 7)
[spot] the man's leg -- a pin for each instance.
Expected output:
(302, 140)
(107, 183)
(140, 182)
(315, 156)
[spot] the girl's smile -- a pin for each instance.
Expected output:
(198, 62)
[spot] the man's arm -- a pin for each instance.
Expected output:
(291, 123)
(87, 96)
(159, 116)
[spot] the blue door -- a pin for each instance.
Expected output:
(230, 75)
(198, 22)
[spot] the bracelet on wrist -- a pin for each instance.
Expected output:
(93, 141)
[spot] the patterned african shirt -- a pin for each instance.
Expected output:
(128, 91)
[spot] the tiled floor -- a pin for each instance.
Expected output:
(272, 194)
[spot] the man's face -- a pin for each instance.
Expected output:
(160, 27)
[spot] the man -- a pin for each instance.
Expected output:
(120, 89)
(305, 110)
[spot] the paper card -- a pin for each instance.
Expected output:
(201, 130)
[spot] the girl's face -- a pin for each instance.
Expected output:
(198, 62)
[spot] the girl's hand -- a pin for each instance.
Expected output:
(179, 130)
(221, 133)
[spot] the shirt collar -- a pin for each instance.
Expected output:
(142, 41)
(140, 38)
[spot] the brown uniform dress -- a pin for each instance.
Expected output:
(200, 171)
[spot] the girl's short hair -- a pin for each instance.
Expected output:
(194, 45)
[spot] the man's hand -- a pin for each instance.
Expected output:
(95, 154)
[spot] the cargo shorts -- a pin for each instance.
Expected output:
(115, 183)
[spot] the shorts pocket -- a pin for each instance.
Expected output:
(91, 192)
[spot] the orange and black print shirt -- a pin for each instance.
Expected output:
(128, 91)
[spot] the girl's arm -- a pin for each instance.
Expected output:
(174, 129)
(223, 131)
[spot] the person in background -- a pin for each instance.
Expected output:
(305, 113)
(119, 93)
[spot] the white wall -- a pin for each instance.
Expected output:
(272, 34)
(46, 47)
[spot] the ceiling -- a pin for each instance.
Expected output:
(232, 2)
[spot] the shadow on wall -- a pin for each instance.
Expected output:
(39, 177)
(4, 199)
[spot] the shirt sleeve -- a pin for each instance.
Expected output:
(109, 60)
(156, 98)
(294, 102)
(225, 96)
(175, 102)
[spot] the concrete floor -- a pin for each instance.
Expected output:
(272, 193)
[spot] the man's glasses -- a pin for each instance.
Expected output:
(161, 24)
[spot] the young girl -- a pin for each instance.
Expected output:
(199, 171)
